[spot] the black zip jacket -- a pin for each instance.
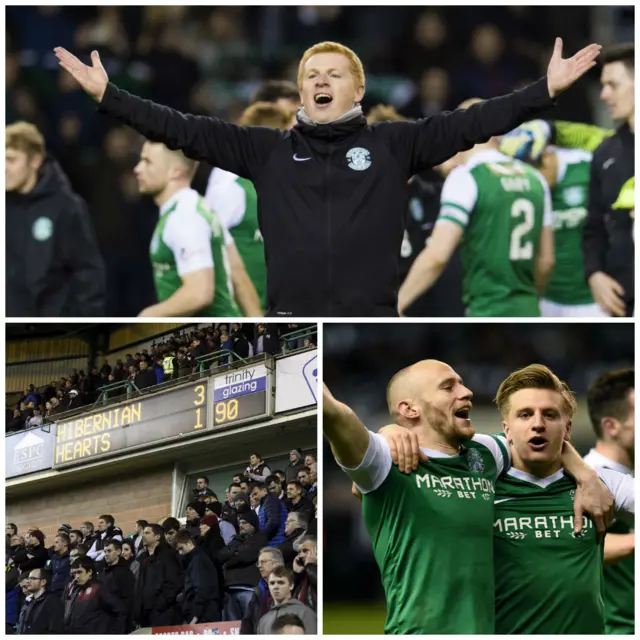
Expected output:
(202, 593)
(54, 266)
(43, 616)
(92, 609)
(160, 580)
(119, 580)
(333, 197)
(239, 559)
(607, 236)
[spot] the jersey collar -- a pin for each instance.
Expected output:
(539, 482)
(172, 200)
(596, 459)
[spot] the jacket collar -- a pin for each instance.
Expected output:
(350, 122)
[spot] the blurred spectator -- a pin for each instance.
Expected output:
(281, 588)
(160, 580)
(36, 552)
(272, 514)
(297, 502)
(261, 600)
(288, 624)
(107, 530)
(146, 377)
(294, 529)
(54, 267)
(89, 606)
(44, 614)
(194, 511)
(257, 469)
(88, 531)
(202, 488)
(120, 581)
(308, 484)
(239, 560)
(60, 565)
(305, 567)
(75, 538)
(137, 538)
(171, 526)
(202, 594)
(210, 538)
(296, 464)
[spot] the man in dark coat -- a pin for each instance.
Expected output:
(89, 607)
(60, 564)
(118, 578)
(195, 510)
(54, 266)
(36, 552)
(160, 580)
(44, 614)
(239, 559)
(202, 594)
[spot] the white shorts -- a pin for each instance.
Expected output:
(550, 309)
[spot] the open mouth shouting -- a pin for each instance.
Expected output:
(462, 415)
(538, 443)
(323, 100)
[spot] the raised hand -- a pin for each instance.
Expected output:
(92, 79)
(562, 73)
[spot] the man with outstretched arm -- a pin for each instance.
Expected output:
(332, 183)
(439, 512)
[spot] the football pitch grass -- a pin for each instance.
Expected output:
(354, 618)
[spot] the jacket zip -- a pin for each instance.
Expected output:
(329, 261)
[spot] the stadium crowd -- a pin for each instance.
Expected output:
(250, 558)
(169, 359)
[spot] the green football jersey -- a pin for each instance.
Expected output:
(619, 577)
(567, 284)
(502, 205)
(188, 238)
(547, 579)
(235, 202)
(431, 533)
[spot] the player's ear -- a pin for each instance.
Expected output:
(505, 428)
(567, 432)
(408, 410)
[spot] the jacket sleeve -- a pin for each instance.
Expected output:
(84, 261)
(248, 553)
(272, 511)
(205, 588)
(226, 553)
(172, 584)
(127, 584)
(116, 609)
(426, 143)
(55, 616)
(594, 233)
(241, 150)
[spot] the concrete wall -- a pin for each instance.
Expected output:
(126, 497)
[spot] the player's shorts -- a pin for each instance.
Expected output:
(550, 309)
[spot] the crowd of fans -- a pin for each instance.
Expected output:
(169, 359)
(250, 559)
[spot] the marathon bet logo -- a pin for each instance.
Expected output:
(540, 526)
(42, 229)
(359, 159)
(466, 488)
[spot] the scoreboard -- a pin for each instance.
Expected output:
(165, 416)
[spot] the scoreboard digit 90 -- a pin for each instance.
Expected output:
(252, 405)
(240, 396)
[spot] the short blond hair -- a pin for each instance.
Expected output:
(24, 136)
(190, 166)
(355, 64)
(266, 114)
(383, 113)
(535, 376)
